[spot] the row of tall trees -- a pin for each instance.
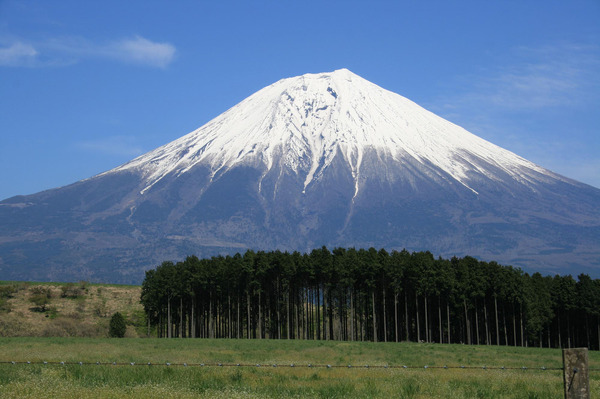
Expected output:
(370, 295)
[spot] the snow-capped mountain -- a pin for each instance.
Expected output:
(319, 159)
(301, 124)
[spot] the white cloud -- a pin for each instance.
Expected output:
(142, 51)
(68, 50)
(113, 145)
(17, 54)
(538, 103)
(564, 74)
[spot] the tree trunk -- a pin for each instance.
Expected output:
(384, 319)
(504, 323)
(340, 318)
(169, 325)
(477, 322)
(448, 317)
(193, 319)
(237, 326)
(260, 316)
(568, 331)
(487, 331)
(352, 316)
(441, 336)
(418, 323)
(427, 337)
(406, 316)
(587, 329)
(364, 318)
(288, 314)
(310, 325)
(558, 329)
(467, 324)
(181, 317)
(308, 308)
(267, 319)
(521, 324)
(325, 311)
(514, 325)
(396, 316)
(374, 317)
(229, 315)
(309, 315)
(497, 328)
(300, 307)
(318, 312)
(210, 318)
(295, 308)
(248, 310)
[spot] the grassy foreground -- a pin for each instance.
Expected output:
(107, 381)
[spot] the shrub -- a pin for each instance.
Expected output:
(71, 291)
(7, 291)
(5, 306)
(100, 308)
(41, 301)
(41, 290)
(117, 326)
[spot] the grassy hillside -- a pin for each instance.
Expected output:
(213, 381)
(67, 309)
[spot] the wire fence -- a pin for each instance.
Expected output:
(290, 365)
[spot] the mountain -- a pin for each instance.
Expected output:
(320, 159)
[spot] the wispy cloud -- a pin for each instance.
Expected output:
(141, 51)
(68, 50)
(113, 145)
(514, 103)
(17, 54)
(546, 77)
(564, 74)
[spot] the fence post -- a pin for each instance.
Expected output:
(575, 373)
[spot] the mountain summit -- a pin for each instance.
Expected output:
(301, 124)
(319, 159)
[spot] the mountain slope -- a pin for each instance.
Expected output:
(302, 123)
(319, 159)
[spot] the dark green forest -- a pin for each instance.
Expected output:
(370, 295)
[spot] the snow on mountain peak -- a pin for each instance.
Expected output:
(302, 123)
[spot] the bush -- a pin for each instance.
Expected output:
(117, 326)
(40, 301)
(71, 291)
(5, 306)
(7, 291)
(41, 290)
(100, 309)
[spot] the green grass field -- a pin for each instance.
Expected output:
(143, 381)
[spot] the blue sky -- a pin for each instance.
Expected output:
(87, 86)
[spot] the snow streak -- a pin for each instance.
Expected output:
(302, 123)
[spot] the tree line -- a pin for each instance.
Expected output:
(370, 295)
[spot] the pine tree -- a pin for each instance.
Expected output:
(117, 326)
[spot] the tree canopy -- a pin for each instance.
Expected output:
(370, 295)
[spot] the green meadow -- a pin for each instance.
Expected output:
(53, 380)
